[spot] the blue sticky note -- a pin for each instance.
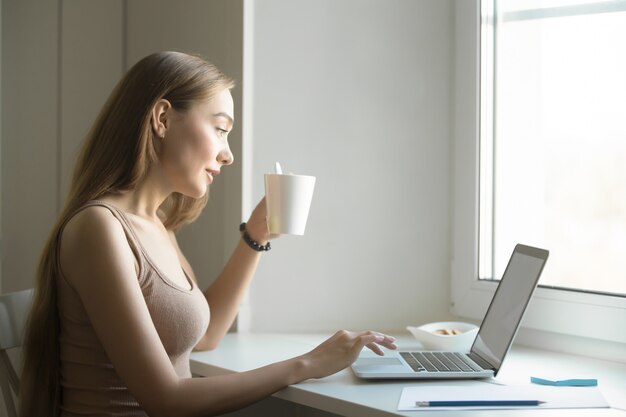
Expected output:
(575, 382)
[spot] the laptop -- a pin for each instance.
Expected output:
(492, 342)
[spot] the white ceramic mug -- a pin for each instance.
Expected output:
(288, 199)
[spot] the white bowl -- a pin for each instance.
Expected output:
(462, 342)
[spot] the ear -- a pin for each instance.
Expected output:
(159, 119)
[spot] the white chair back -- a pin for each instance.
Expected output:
(14, 309)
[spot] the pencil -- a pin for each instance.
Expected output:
(477, 403)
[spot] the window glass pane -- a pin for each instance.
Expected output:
(505, 6)
(560, 145)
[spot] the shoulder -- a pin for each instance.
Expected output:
(93, 240)
(89, 225)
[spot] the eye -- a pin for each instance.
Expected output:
(221, 132)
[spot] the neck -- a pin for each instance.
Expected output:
(145, 199)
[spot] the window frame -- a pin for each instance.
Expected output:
(556, 311)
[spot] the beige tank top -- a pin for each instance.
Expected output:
(89, 383)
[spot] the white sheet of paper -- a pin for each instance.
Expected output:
(554, 397)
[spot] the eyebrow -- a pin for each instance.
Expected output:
(225, 115)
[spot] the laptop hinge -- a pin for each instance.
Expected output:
(480, 361)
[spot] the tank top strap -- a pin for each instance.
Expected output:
(131, 237)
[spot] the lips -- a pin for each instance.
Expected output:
(211, 174)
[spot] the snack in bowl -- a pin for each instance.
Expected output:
(448, 332)
(448, 335)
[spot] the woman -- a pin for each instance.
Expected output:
(117, 309)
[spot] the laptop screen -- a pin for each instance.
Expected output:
(509, 303)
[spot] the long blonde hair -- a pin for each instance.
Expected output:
(116, 156)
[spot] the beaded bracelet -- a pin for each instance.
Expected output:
(253, 244)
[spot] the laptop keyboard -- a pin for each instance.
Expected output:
(439, 362)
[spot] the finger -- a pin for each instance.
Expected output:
(382, 340)
(375, 348)
(386, 340)
(372, 340)
(366, 339)
(389, 342)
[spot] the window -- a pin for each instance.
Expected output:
(595, 315)
(553, 139)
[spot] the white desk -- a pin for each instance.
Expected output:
(344, 394)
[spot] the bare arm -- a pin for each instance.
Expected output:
(100, 266)
(227, 291)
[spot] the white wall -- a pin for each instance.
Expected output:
(91, 64)
(30, 129)
(60, 61)
(213, 29)
(356, 93)
(0, 147)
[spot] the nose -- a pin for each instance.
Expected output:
(226, 156)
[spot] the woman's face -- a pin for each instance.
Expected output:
(195, 146)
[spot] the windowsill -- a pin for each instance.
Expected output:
(585, 328)
(574, 345)
(563, 343)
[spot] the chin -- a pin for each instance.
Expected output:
(196, 192)
(201, 194)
